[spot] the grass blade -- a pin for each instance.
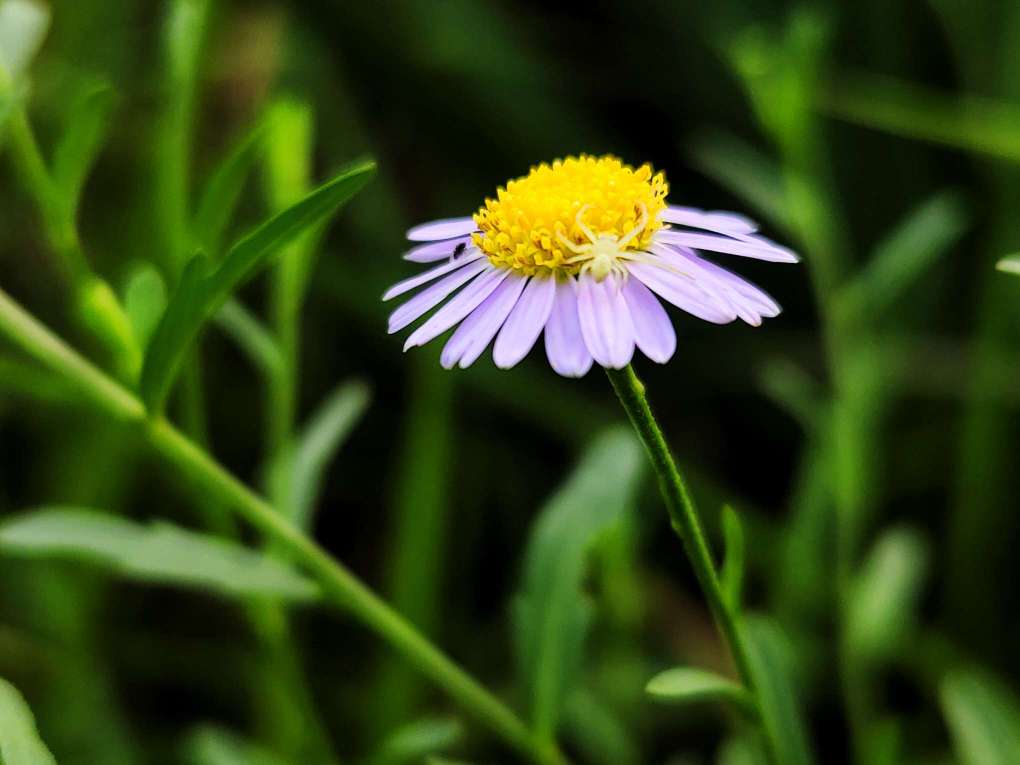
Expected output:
(926, 234)
(305, 465)
(732, 574)
(983, 718)
(19, 740)
(88, 123)
(770, 660)
(203, 290)
(551, 615)
(251, 336)
(417, 740)
(156, 553)
(687, 685)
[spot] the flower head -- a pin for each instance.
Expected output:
(582, 249)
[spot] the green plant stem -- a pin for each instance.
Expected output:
(339, 585)
(683, 515)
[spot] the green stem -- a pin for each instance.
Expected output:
(339, 585)
(682, 513)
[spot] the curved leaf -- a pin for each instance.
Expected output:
(156, 553)
(19, 740)
(684, 685)
(203, 289)
(87, 124)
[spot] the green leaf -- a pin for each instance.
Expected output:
(921, 238)
(251, 337)
(686, 685)
(983, 718)
(746, 172)
(222, 191)
(770, 660)
(742, 750)
(209, 745)
(144, 302)
(1009, 265)
(299, 476)
(551, 614)
(203, 290)
(886, 594)
(597, 733)
(732, 575)
(101, 311)
(88, 123)
(417, 740)
(23, 27)
(790, 386)
(156, 553)
(19, 740)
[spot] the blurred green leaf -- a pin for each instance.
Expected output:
(300, 475)
(222, 190)
(732, 574)
(23, 27)
(101, 311)
(251, 336)
(209, 745)
(771, 662)
(686, 685)
(1009, 265)
(551, 615)
(742, 750)
(418, 739)
(746, 172)
(983, 717)
(19, 740)
(886, 594)
(144, 301)
(902, 108)
(88, 124)
(599, 735)
(790, 386)
(926, 234)
(203, 289)
(157, 553)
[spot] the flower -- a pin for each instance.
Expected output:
(584, 249)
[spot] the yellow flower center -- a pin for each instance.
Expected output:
(537, 223)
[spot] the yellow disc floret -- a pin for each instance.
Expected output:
(532, 221)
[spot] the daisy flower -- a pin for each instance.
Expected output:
(583, 249)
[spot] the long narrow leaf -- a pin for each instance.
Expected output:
(87, 124)
(770, 659)
(551, 613)
(157, 553)
(19, 740)
(983, 718)
(202, 290)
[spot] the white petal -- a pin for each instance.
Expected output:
(710, 220)
(446, 228)
(463, 303)
(746, 246)
(472, 253)
(605, 321)
(682, 292)
(525, 323)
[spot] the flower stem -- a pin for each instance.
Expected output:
(339, 586)
(683, 515)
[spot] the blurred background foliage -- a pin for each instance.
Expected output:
(868, 437)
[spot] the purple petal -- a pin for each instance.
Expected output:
(747, 246)
(750, 302)
(564, 343)
(682, 292)
(429, 298)
(476, 331)
(429, 253)
(433, 273)
(722, 222)
(605, 321)
(463, 303)
(442, 229)
(653, 331)
(525, 323)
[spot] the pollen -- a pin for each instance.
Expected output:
(526, 227)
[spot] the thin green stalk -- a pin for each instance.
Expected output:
(340, 587)
(683, 515)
